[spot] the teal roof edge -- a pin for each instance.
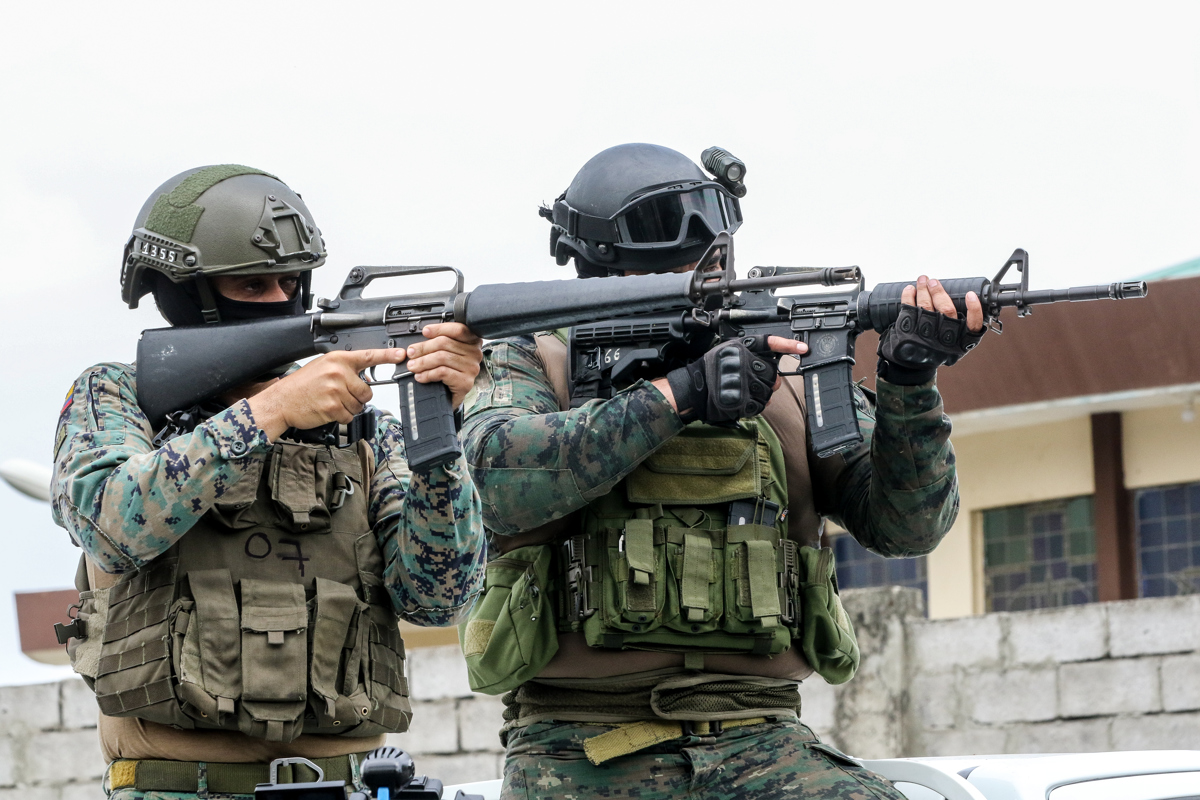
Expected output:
(1185, 270)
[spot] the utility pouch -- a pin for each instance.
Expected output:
(133, 673)
(511, 633)
(274, 634)
(634, 589)
(274, 641)
(751, 579)
(309, 483)
(334, 635)
(826, 635)
(695, 599)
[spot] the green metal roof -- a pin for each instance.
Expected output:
(1185, 270)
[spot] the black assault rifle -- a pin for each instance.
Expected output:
(613, 353)
(178, 368)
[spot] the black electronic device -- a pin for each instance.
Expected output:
(388, 772)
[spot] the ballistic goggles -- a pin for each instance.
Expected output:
(657, 219)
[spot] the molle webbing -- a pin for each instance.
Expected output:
(175, 214)
(123, 702)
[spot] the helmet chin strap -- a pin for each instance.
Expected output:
(208, 300)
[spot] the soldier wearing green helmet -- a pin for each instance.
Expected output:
(195, 226)
(242, 579)
(658, 588)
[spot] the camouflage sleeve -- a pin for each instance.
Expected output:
(534, 463)
(897, 493)
(429, 529)
(124, 501)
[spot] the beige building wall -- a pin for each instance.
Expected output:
(1160, 447)
(1015, 464)
(1003, 468)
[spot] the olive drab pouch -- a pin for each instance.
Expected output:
(827, 635)
(274, 662)
(335, 648)
(309, 483)
(511, 633)
(702, 466)
(670, 570)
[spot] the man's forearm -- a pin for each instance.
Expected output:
(903, 498)
(125, 502)
(534, 468)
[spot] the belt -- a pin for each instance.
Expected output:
(187, 776)
(630, 737)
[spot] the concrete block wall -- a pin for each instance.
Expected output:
(48, 744)
(455, 733)
(1107, 676)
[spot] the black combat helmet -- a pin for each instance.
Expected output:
(219, 220)
(639, 207)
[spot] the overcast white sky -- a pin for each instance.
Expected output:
(903, 137)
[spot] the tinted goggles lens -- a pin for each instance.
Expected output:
(664, 219)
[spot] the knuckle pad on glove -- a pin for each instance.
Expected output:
(922, 340)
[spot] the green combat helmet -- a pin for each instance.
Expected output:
(644, 207)
(219, 220)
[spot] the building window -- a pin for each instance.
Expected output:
(1040, 555)
(1168, 539)
(859, 568)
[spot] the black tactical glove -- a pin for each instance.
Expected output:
(920, 341)
(727, 384)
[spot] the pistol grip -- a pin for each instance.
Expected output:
(430, 437)
(829, 396)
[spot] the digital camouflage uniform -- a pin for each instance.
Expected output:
(126, 502)
(533, 463)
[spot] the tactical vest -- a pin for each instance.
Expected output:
(269, 617)
(710, 548)
(689, 552)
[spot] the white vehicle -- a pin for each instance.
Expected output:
(27, 478)
(1130, 775)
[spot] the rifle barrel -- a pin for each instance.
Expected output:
(1114, 291)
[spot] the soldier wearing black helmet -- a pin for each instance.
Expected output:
(241, 583)
(669, 534)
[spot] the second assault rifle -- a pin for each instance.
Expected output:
(610, 354)
(621, 327)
